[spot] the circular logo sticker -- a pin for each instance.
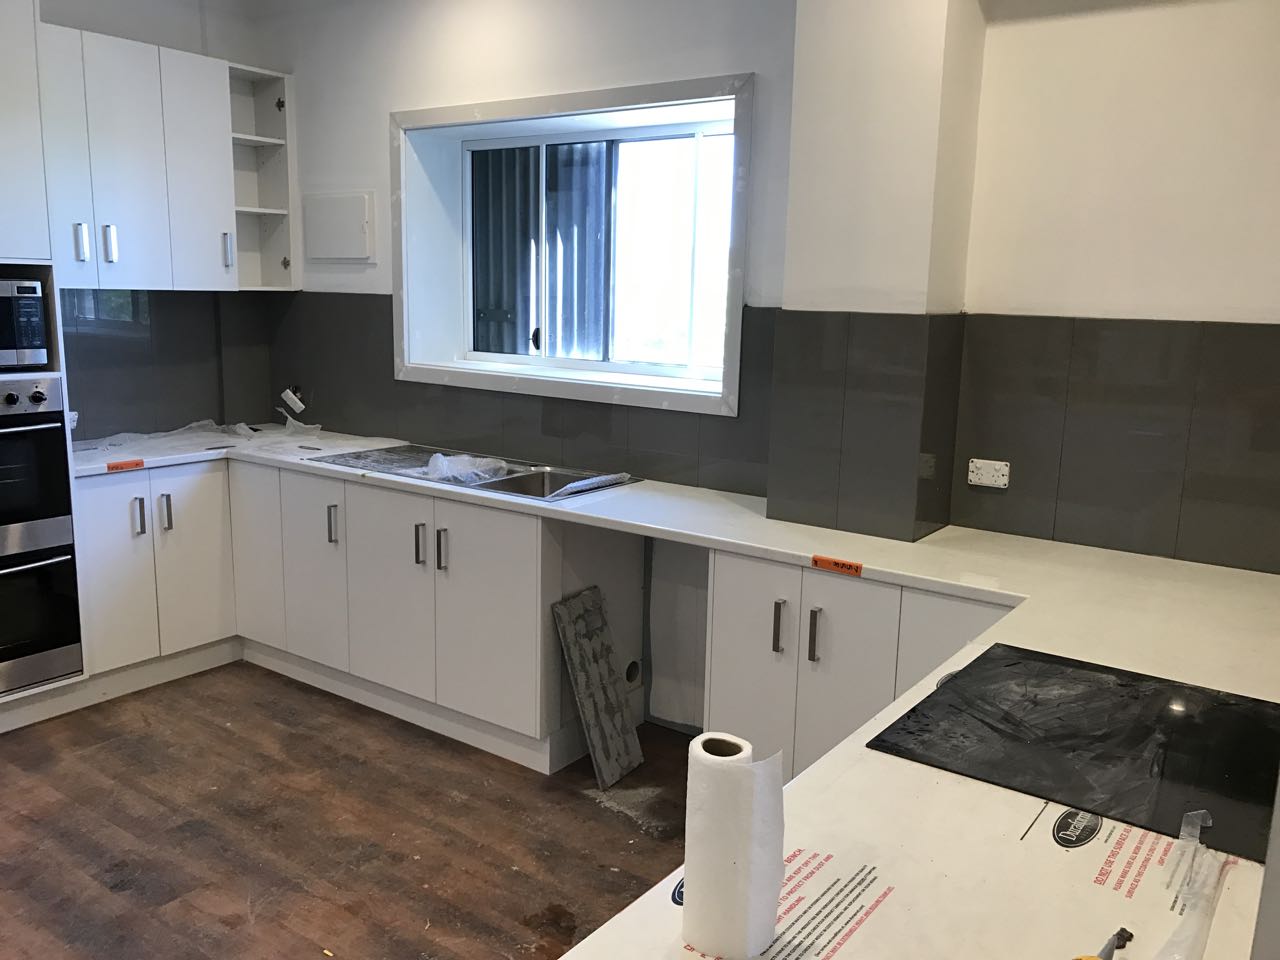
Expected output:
(677, 895)
(1075, 828)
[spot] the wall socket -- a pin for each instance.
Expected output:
(989, 473)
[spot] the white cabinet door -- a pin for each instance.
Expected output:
(754, 635)
(488, 614)
(194, 580)
(258, 551)
(849, 629)
(391, 588)
(126, 142)
(934, 627)
(315, 568)
(66, 157)
(197, 140)
(116, 570)
(24, 223)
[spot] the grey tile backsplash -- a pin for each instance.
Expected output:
(1149, 436)
(338, 347)
(1155, 437)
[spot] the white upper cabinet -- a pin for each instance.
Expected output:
(24, 224)
(72, 228)
(127, 151)
(197, 140)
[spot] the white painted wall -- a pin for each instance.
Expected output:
(356, 61)
(1129, 164)
(217, 28)
(864, 152)
(957, 154)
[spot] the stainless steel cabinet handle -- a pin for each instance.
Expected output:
(82, 242)
(419, 544)
(166, 501)
(813, 634)
(110, 244)
(331, 521)
(228, 251)
(442, 548)
(777, 625)
(141, 528)
(32, 428)
(34, 566)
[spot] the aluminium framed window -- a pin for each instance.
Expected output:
(586, 245)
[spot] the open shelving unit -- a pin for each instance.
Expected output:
(268, 206)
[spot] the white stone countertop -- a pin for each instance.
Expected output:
(1212, 626)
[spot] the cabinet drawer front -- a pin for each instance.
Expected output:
(848, 661)
(751, 683)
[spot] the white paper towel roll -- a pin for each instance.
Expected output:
(732, 847)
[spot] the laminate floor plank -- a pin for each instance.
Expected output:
(240, 814)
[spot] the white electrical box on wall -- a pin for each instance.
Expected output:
(338, 226)
(989, 473)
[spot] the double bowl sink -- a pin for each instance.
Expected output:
(514, 477)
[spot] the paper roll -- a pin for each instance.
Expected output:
(733, 848)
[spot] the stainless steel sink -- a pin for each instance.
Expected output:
(539, 482)
(522, 479)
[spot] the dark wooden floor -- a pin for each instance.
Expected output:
(237, 814)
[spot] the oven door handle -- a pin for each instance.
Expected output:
(33, 427)
(35, 566)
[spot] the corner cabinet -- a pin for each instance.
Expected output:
(313, 520)
(799, 659)
(24, 223)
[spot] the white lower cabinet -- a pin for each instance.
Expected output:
(850, 651)
(934, 627)
(755, 642)
(391, 588)
(117, 573)
(313, 521)
(489, 614)
(154, 555)
(799, 659)
(258, 550)
(195, 586)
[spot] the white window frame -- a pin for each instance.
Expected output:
(437, 347)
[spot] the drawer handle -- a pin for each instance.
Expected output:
(813, 634)
(442, 548)
(419, 544)
(777, 625)
(331, 522)
(140, 528)
(166, 501)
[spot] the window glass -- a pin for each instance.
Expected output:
(579, 212)
(505, 189)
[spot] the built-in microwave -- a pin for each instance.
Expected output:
(24, 334)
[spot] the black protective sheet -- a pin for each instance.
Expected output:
(1122, 745)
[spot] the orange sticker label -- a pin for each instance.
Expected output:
(847, 567)
(120, 466)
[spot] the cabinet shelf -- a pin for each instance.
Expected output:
(263, 211)
(253, 140)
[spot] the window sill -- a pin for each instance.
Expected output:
(635, 390)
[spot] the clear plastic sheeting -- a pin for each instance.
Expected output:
(203, 434)
(1201, 888)
(461, 468)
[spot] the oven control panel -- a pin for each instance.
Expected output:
(30, 396)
